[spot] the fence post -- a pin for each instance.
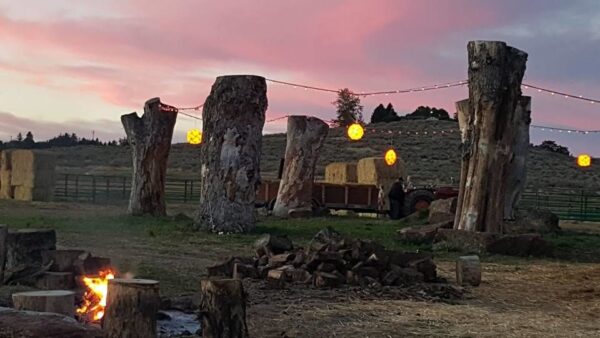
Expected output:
(94, 189)
(192, 189)
(185, 191)
(124, 188)
(107, 188)
(66, 185)
(77, 187)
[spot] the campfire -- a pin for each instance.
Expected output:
(94, 299)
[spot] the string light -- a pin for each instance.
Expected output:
(390, 157)
(194, 136)
(355, 131)
(584, 160)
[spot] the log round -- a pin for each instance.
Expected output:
(233, 119)
(24, 247)
(305, 137)
(468, 270)
(150, 139)
(55, 281)
(54, 301)
(223, 309)
(131, 308)
(495, 74)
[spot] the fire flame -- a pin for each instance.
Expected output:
(94, 299)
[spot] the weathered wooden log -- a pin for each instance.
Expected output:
(131, 308)
(495, 74)
(3, 237)
(305, 137)
(14, 323)
(55, 281)
(463, 114)
(150, 139)
(62, 260)
(468, 270)
(233, 116)
(223, 309)
(54, 301)
(517, 170)
(24, 247)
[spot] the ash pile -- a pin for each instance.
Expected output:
(331, 260)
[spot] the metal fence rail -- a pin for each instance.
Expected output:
(568, 204)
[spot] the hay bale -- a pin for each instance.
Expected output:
(33, 169)
(5, 160)
(41, 194)
(6, 190)
(340, 172)
(374, 170)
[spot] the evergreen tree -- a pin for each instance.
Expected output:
(378, 114)
(348, 108)
(28, 142)
(390, 114)
(19, 137)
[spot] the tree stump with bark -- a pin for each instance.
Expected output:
(54, 301)
(305, 137)
(24, 247)
(131, 308)
(223, 309)
(490, 136)
(3, 236)
(150, 139)
(233, 119)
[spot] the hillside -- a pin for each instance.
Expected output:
(430, 158)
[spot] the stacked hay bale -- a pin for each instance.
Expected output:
(340, 172)
(374, 170)
(28, 175)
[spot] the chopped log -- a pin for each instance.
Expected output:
(241, 271)
(3, 238)
(225, 269)
(62, 260)
(131, 308)
(55, 281)
(275, 244)
(234, 116)
(25, 247)
(54, 301)
(468, 270)
(14, 323)
(150, 139)
(495, 74)
(223, 309)
(86, 264)
(422, 234)
(442, 210)
(327, 280)
(281, 259)
(305, 137)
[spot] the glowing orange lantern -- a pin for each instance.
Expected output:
(390, 157)
(194, 136)
(584, 160)
(355, 132)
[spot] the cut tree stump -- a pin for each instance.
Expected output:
(131, 308)
(25, 246)
(150, 139)
(14, 323)
(54, 301)
(305, 137)
(233, 119)
(468, 270)
(3, 238)
(55, 281)
(62, 260)
(490, 135)
(223, 309)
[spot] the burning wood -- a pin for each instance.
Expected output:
(94, 299)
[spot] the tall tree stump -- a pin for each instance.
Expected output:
(495, 74)
(131, 308)
(223, 309)
(3, 235)
(305, 137)
(150, 139)
(54, 301)
(24, 247)
(233, 119)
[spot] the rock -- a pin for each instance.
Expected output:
(521, 245)
(468, 271)
(533, 221)
(422, 234)
(442, 210)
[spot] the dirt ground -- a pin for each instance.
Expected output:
(518, 297)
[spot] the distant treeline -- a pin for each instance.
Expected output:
(388, 114)
(62, 140)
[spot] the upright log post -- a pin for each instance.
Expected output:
(150, 139)
(305, 137)
(233, 119)
(3, 236)
(131, 308)
(223, 309)
(495, 74)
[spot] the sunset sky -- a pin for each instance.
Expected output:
(76, 66)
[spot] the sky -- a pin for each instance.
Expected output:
(77, 66)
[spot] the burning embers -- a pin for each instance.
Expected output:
(94, 299)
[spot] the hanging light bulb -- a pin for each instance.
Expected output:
(356, 131)
(194, 136)
(584, 160)
(390, 157)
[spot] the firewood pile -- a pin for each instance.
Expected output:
(331, 260)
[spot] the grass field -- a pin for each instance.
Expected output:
(519, 297)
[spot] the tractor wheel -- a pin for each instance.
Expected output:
(417, 200)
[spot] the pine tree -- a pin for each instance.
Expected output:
(348, 108)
